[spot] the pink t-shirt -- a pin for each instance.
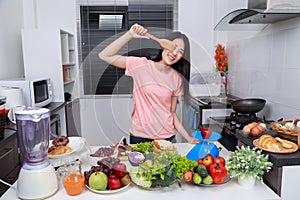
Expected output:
(152, 92)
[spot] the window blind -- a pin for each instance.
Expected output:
(100, 78)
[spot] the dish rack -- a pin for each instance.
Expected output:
(290, 134)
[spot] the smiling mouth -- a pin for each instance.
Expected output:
(171, 57)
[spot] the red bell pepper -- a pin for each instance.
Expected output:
(218, 173)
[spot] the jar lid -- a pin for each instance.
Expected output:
(32, 114)
(32, 111)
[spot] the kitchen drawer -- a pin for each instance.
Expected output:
(9, 157)
(7, 161)
(9, 178)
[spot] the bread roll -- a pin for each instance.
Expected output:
(252, 124)
(246, 130)
(263, 125)
(255, 131)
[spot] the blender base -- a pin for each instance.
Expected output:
(37, 184)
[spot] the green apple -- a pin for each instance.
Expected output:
(98, 181)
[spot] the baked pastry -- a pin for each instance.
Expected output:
(160, 146)
(59, 146)
(59, 150)
(60, 141)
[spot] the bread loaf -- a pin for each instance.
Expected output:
(270, 143)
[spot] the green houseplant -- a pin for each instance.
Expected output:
(248, 162)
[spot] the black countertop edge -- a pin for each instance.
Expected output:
(277, 159)
(55, 106)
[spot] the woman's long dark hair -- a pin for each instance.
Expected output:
(183, 66)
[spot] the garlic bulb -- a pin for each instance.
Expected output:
(290, 125)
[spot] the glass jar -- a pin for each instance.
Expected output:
(72, 178)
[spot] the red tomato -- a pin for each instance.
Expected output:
(200, 161)
(207, 162)
(114, 183)
(218, 173)
(220, 160)
(187, 176)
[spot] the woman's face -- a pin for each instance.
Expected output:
(171, 57)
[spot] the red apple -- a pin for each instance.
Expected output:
(114, 183)
(119, 169)
(206, 133)
(207, 162)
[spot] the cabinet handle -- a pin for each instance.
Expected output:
(6, 152)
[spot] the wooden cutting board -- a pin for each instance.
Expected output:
(290, 150)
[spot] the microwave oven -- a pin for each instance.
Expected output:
(36, 92)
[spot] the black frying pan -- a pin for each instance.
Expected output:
(248, 106)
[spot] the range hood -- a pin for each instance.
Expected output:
(259, 14)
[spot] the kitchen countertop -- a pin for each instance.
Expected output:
(230, 190)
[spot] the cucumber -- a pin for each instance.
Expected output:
(202, 171)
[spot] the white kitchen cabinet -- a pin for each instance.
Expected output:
(50, 53)
(68, 56)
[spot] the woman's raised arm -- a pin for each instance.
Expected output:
(110, 53)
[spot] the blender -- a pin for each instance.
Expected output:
(37, 178)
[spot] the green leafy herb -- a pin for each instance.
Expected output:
(248, 162)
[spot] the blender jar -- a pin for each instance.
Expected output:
(33, 126)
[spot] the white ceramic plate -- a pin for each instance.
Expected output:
(108, 191)
(74, 142)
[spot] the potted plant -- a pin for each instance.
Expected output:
(249, 164)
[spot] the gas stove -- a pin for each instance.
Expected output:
(231, 125)
(238, 121)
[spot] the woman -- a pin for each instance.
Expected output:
(157, 85)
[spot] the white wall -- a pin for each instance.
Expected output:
(11, 22)
(198, 26)
(267, 66)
